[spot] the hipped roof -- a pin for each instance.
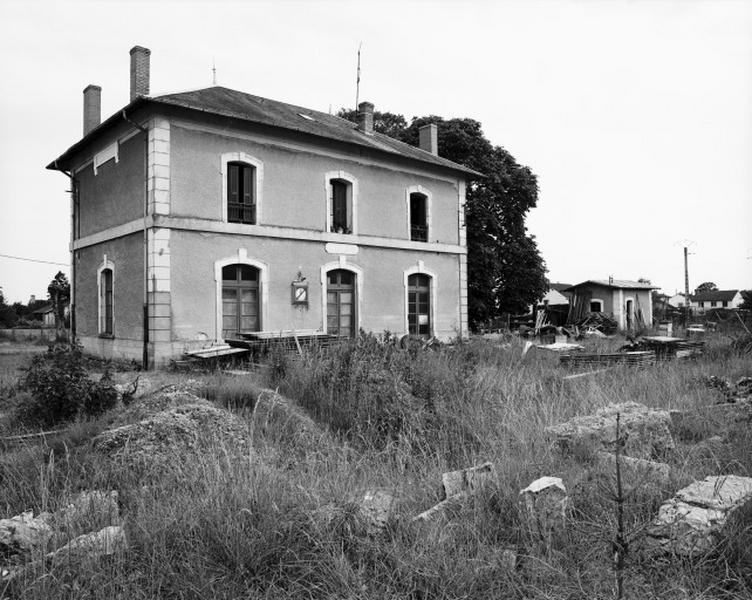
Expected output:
(616, 283)
(225, 102)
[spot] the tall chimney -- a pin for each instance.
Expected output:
(92, 107)
(139, 72)
(365, 117)
(428, 138)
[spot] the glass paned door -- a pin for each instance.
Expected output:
(240, 300)
(419, 305)
(340, 303)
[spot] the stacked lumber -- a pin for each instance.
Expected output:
(641, 358)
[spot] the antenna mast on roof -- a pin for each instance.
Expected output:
(214, 72)
(357, 81)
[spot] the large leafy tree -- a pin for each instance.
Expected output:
(707, 286)
(506, 273)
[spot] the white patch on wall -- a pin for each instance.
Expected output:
(108, 153)
(349, 249)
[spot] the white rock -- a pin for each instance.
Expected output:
(104, 542)
(691, 522)
(645, 431)
(376, 508)
(470, 480)
(546, 505)
(24, 533)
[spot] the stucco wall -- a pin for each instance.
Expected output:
(382, 301)
(126, 254)
(115, 195)
(294, 192)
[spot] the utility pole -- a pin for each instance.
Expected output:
(686, 288)
(687, 304)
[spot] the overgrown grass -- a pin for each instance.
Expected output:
(280, 521)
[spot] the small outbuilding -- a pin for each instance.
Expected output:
(629, 302)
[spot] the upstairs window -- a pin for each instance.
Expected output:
(340, 212)
(418, 217)
(241, 193)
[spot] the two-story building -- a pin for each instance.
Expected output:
(202, 214)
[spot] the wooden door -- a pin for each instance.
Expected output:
(340, 303)
(240, 299)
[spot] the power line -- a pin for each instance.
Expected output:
(35, 260)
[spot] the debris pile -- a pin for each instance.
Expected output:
(172, 433)
(733, 392)
(85, 529)
(596, 321)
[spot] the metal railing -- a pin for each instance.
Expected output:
(241, 213)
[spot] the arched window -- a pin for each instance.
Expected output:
(242, 179)
(340, 303)
(419, 305)
(106, 303)
(418, 217)
(596, 305)
(240, 299)
(341, 202)
(241, 195)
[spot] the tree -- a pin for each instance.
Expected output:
(383, 122)
(746, 300)
(505, 270)
(58, 292)
(708, 286)
(8, 316)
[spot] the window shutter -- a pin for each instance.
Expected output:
(247, 186)
(233, 184)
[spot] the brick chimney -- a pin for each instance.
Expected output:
(428, 138)
(92, 107)
(139, 72)
(365, 117)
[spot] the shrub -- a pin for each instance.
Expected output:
(61, 389)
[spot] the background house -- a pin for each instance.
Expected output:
(678, 300)
(556, 295)
(629, 302)
(205, 214)
(555, 302)
(716, 299)
(45, 314)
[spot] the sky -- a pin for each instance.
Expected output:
(635, 116)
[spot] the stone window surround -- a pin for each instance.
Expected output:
(103, 266)
(258, 183)
(419, 189)
(352, 197)
(420, 269)
(359, 281)
(241, 258)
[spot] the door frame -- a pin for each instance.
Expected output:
(347, 266)
(241, 258)
(420, 269)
